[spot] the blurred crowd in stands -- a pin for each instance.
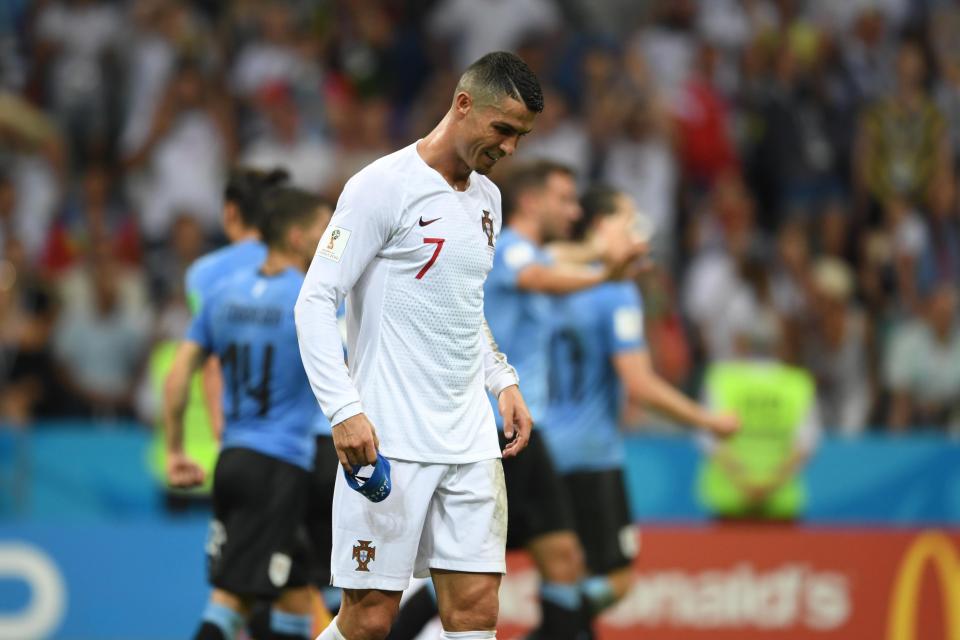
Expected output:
(799, 160)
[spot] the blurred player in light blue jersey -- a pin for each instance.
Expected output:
(242, 214)
(257, 544)
(241, 224)
(598, 360)
(540, 206)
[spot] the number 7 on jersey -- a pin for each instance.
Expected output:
(433, 258)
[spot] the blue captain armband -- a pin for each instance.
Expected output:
(377, 486)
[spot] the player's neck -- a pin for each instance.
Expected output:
(439, 152)
(527, 228)
(243, 234)
(279, 261)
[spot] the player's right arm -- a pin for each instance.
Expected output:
(641, 383)
(181, 470)
(565, 277)
(359, 229)
(212, 377)
(558, 279)
(609, 246)
(517, 266)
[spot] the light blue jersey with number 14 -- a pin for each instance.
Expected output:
(268, 404)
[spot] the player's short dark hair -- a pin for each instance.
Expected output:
(245, 188)
(284, 207)
(525, 177)
(504, 74)
(597, 201)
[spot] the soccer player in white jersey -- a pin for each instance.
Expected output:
(410, 246)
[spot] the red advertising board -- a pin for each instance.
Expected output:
(776, 583)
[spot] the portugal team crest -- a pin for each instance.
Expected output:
(364, 554)
(486, 223)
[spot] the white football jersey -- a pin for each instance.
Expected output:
(413, 254)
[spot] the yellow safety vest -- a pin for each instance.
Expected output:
(772, 400)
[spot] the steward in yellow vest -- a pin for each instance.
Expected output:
(755, 472)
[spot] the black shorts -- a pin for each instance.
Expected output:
(602, 515)
(537, 501)
(257, 545)
(319, 520)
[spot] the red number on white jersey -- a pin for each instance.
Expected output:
(433, 258)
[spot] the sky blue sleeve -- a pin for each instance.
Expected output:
(624, 319)
(199, 329)
(513, 256)
(191, 283)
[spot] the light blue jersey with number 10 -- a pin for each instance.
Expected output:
(582, 427)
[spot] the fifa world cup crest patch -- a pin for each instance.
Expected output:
(364, 554)
(486, 223)
(333, 243)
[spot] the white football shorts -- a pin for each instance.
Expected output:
(437, 516)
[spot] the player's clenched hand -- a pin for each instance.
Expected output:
(182, 472)
(723, 425)
(517, 422)
(356, 441)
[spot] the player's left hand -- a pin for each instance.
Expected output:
(517, 422)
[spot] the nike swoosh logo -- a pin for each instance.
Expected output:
(424, 223)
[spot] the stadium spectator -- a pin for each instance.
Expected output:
(903, 142)
(160, 33)
(288, 142)
(26, 320)
(669, 45)
(471, 29)
(792, 161)
(93, 214)
(561, 137)
(32, 156)
(276, 54)
(836, 349)
(702, 116)
(183, 161)
(168, 268)
(729, 245)
(100, 337)
(641, 163)
(922, 366)
(76, 41)
(892, 255)
(939, 259)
